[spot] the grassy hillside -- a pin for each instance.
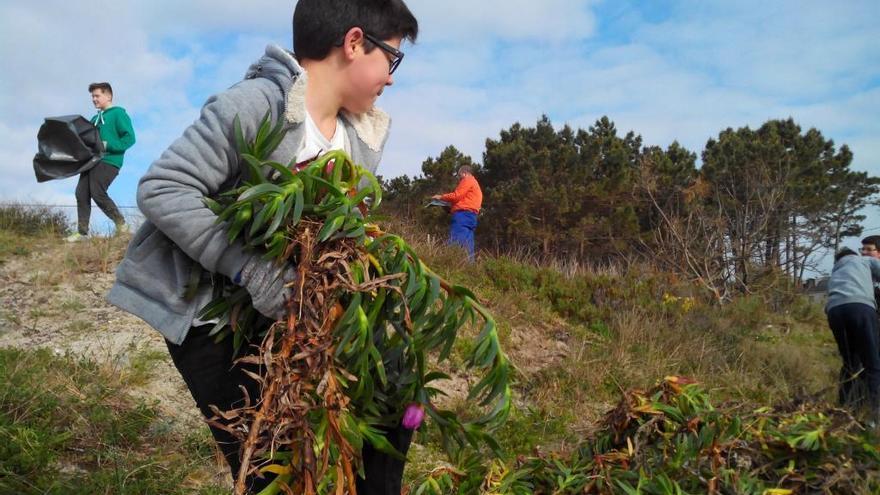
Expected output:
(96, 403)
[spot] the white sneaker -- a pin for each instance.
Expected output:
(76, 237)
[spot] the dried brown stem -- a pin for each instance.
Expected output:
(287, 345)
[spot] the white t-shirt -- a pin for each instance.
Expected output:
(316, 144)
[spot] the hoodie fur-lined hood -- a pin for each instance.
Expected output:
(280, 66)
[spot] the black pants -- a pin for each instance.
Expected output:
(855, 330)
(207, 369)
(93, 184)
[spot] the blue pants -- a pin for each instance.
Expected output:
(461, 231)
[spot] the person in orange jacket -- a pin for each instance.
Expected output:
(465, 203)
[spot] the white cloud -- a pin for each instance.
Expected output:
(18, 151)
(788, 49)
(428, 117)
(468, 21)
(685, 73)
(191, 18)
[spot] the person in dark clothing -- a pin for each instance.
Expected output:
(117, 135)
(852, 317)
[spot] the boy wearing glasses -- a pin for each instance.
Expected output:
(344, 55)
(870, 249)
(871, 246)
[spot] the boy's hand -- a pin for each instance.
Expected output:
(265, 281)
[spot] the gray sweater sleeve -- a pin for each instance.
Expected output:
(196, 165)
(874, 263)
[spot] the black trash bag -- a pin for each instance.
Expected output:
(68, 145)
(439, 202)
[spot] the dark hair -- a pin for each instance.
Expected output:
(465, 169)
(103, 86)
(319, 25)
(844, 252)
(874, 240)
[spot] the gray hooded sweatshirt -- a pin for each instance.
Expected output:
(852, 281)
(181, 237)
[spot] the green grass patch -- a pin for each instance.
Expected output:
(81, 326)
(23, 228)
(72, 305)
(143, 364)
(67, 422)
(12, 244)
(584, 298)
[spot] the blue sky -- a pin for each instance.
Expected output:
(668, 70)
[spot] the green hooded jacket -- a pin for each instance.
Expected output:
(116, 132)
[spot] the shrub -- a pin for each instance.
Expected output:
(32, 220)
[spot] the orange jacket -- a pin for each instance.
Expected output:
(467, 195)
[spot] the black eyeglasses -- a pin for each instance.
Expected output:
(394, 52)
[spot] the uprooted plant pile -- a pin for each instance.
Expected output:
(353, 351)
(671, 440)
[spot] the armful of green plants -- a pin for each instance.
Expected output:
(367, 313)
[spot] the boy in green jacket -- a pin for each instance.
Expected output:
(118, 135)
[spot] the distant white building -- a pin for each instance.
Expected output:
(816, 289)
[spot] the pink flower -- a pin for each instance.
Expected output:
(413, 416)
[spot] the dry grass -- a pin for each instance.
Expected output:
(579, 340)
(577, 335)
(32, 220)
(95, 255)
